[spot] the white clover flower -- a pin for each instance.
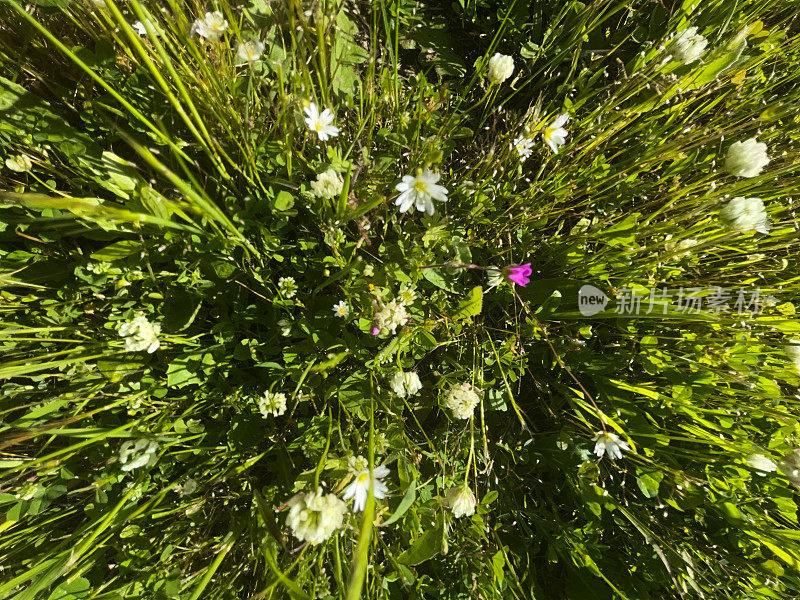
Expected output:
(745, 214)
(139, 28)
(211, 27)
(389, 315)
(341, 310)
(314, 517)
(761, 464)
(462, 398)
(461, 501)
(747, 158)
(405, 384)
(687, 45)
(359, 489)
(321, 123)
(554, 134)
(141, 453)
(19, 163)
(407, 295)
(250, 51)
(287, 286)
(523, 145)
(140, 334)
(285, 326)
(501, 66)
(327, 185)
(420, 191)
(610, 443)
(272, 403)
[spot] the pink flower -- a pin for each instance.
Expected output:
(375, 331)
(520, 275)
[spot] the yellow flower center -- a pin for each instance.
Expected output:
(363, 477)
(318, 126)
(549, 131)
(420, 186)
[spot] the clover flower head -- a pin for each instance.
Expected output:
(320, 122)
(687, 45)
(747, 158)
(314, 517)
(327, 185)
(405, 384)
(461, 501)
(407, 295)
(608, 442)
(358, 490)
(356, 464)
(521, 275)
(341, 309)
(388, 315)
(554, 134)
(461, 399)
(139, 453)
(140, 334)
(745, 214)
(501, 67)
(211, 26)
(272, 403)
(419, 191)
(250, 51)
(287, 286)
(523, 145)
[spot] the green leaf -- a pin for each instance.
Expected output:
(428, 545)
(471, 305)
(284, 201)
(117, 250)
(405, 504)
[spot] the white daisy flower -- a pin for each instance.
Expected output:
(461, 501)
(314, 517)
(747, 158)
(745, 214)
(140, 334)
(272, 403)
(139, 453)
(321, 123)
(287, 286)
(341, 309)
(610, 443)
(358, 490)
(501, 66)
(461, 399)
(211, 27)
(687, 45)
(327, 185)
(554, 134)
(523, 145)
(250, 51)
(419, 191)
(405, 384)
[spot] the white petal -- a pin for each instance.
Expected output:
(438, 192)
(560, 121)
(380, 471)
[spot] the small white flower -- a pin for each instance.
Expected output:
(523, 145)
(250, 51)
(19, 163)
(314, 517)
(140, 334)
(327, 185)
(321, 123)
(358, 490)
(285, 327)
(747, 158)
(745, 214)
(554, 134)
(610, 443)
(687, 45)
(341, 309)
(141, 453)
(272, 403)
(501, 66)
(211, 27)
(389, 316)
(405, 384)
(287, 286)
(461, 501)
(461, 399)
(139, 28)
(369, 270)
(407, 295)
(761, 464)
(419, 191)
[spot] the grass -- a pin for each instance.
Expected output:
(170, 180)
